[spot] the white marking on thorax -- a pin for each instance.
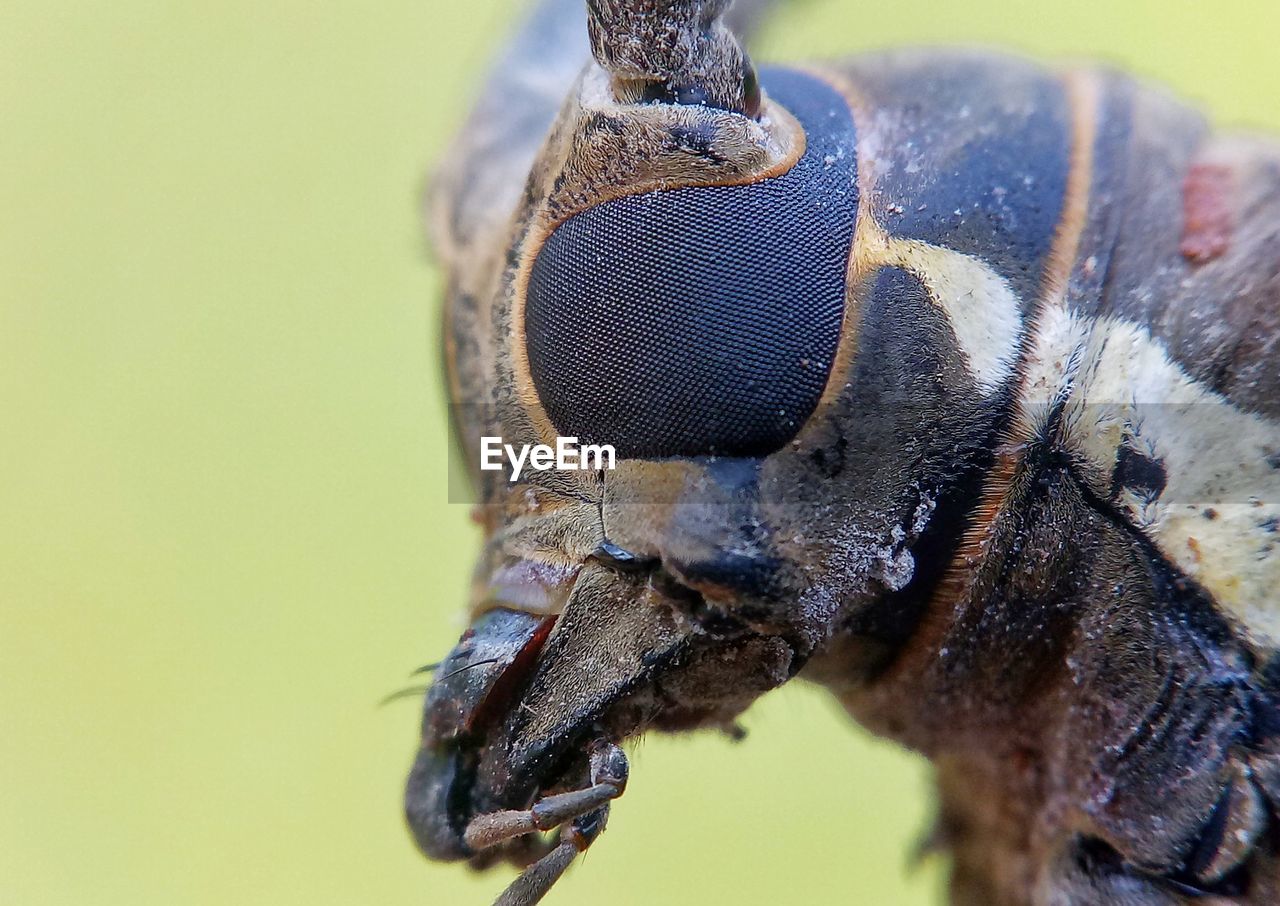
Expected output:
(1218, 513)
(981, 307)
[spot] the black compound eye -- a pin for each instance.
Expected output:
(701, 320)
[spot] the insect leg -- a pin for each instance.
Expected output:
(608, 780)
(539, 877)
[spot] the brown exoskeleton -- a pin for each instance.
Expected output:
(942, 379)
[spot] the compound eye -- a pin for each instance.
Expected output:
(700, 320)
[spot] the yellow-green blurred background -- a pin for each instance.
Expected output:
(224, 528)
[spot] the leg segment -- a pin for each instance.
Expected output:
(539, 877)
(586, 810)
(608, 780)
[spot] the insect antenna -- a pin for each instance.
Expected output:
(672, 51)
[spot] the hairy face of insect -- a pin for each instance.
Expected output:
(770, 482)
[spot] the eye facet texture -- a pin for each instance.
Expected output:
(701, 320)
